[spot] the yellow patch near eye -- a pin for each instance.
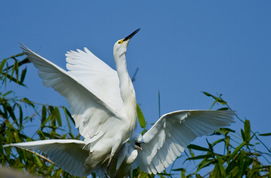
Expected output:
(120, 41)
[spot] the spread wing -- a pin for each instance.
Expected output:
(92, 115)
(95, 75)
(67, 154)
(170, 135)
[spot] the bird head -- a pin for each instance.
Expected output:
(120, 46)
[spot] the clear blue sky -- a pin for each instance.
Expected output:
(183, 48)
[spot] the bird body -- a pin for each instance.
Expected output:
(103, 103)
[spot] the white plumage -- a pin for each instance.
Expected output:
(70, 154)
(170, 135)
(103, 104)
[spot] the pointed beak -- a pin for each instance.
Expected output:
(131, 35)
(138, 147)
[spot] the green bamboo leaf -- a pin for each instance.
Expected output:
(140, 116)
(23, 74)
(12, 114)
(27, 101)
(16, 137)
(11, 78)
(217, 99)
(205, 163)
(164, 174)
(200, 157)
(21, 117)
(221, 167)
(43, 116)
(15, 69)
(67, 112)
(227, 144)
(178, 169)
(37, 160)
(2, 64)
(207, 94)
(247, 130)
(265, 134)
(41, 134)
(51, 116)
(196, 147)
(224, 131)
(218, 141)
(231, 165)
(7, 93)
(57, 116)
(243, 135)
(237, 149)
(182, 170)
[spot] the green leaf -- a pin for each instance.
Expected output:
(221, 168)
(164, 174)
(2, 64)
(237, 149)
(218, 141)
(20, 117)
(200, 157)
(23, 74)
(27, 101)
(243, 135)
(247, 130)
(204, 163)
(178, 169)
(265, 134)
(37, 160)
(57, 116)
(140, 116)
(7, 93)
(217, 99)
(12, 115)
(207, 94)
(196, 147)
(223, 131)
(67, 112)
(11, 78)
(43, 115)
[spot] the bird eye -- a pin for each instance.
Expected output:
(120, 41)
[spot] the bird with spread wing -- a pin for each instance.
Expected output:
(103, 104)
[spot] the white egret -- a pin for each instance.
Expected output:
(103, 104)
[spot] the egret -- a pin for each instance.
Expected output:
(103, 104)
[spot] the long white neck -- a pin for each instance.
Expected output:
(126, 89)
(125, 83)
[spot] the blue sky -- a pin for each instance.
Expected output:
(183, 48)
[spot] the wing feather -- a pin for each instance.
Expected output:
(170, 135)
(90, 112)
(67, 154)
(96, 76)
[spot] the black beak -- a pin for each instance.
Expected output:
(138, 146)
(131, 35)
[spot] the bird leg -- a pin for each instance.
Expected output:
(113, 151)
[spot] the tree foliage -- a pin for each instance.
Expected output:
(231, 154)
